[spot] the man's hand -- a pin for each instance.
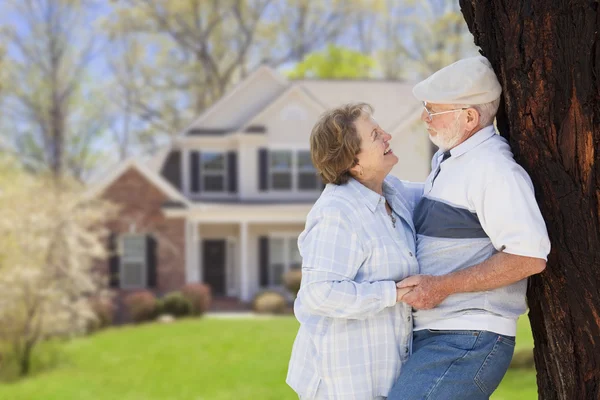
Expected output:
(426, 292)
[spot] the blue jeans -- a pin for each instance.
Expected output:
(454, 365)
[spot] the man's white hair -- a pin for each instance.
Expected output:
(487, 112)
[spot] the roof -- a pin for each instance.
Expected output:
(391, 100)
(158, 181)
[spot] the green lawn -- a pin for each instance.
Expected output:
(214, 359)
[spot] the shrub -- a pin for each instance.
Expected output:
(175, 304)
(199, 296)
(104, 312)
(269, 302)
(292, 280)
(523, 359)
(142, 306)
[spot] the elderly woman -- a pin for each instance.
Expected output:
(358, 241)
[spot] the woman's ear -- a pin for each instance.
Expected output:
(356, 170)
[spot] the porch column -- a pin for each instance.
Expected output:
(198, 267)
(188, 251)
(244, 284)
(192, 258)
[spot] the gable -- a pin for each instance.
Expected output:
(290, 118)
(241, 103)
(132, 187)
(144, 176)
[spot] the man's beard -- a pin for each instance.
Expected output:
(447, 138)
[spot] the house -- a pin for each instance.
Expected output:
(225, 203)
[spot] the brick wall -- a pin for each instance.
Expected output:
(140, 210)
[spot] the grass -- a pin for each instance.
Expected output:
(216, 359)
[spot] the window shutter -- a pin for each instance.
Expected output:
(195, 171)
(263, 169)
(113, 261)
(151, 261)
(263, 260)
(232, 171)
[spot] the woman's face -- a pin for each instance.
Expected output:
(375, 158)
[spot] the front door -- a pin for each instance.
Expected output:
(213, 257)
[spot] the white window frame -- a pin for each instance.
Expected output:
(204, 173)
(293, 170)
(123, 260)
(304, 170)
(287, 237)
(289, 170)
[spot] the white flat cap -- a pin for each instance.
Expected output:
(467, 81)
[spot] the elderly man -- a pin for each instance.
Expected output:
(480, 234)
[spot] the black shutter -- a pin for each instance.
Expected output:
(263, 260)
(263, 169)
(171, 169)
(195, 171)
(151, 261)
(113, 261)
(232, 172)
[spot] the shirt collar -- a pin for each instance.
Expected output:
(474, 141)
(369, 197)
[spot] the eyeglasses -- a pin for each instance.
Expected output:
(430, 114)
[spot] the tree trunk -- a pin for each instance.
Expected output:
(546, 55)
(25, 359)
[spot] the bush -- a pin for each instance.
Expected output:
(199, 296)
(523, 359)
(175, 304)
(292, 280)
(104, 312)
(142, 306)
(269, 303)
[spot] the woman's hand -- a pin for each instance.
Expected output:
(400, 292)
(426, 291)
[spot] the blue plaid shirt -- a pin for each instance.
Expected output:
(353, 336)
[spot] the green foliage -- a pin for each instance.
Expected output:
(175, 304)
(48, 355)
(334, 62)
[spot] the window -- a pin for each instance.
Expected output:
(284, 256)
(133, 262)
(292, 171)
(307, 175)
(281, 170)
(213, 171)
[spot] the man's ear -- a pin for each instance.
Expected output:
(472, 118)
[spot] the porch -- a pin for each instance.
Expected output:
(240, 250)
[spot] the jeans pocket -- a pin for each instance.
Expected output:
(495, 365)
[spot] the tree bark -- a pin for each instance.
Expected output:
(546, 56)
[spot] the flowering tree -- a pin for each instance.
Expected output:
(51, 236)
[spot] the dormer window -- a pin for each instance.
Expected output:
(307, 175)
(287, 171)
(281, 170)
(213, 171)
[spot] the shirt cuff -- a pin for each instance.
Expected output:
(388, 288)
